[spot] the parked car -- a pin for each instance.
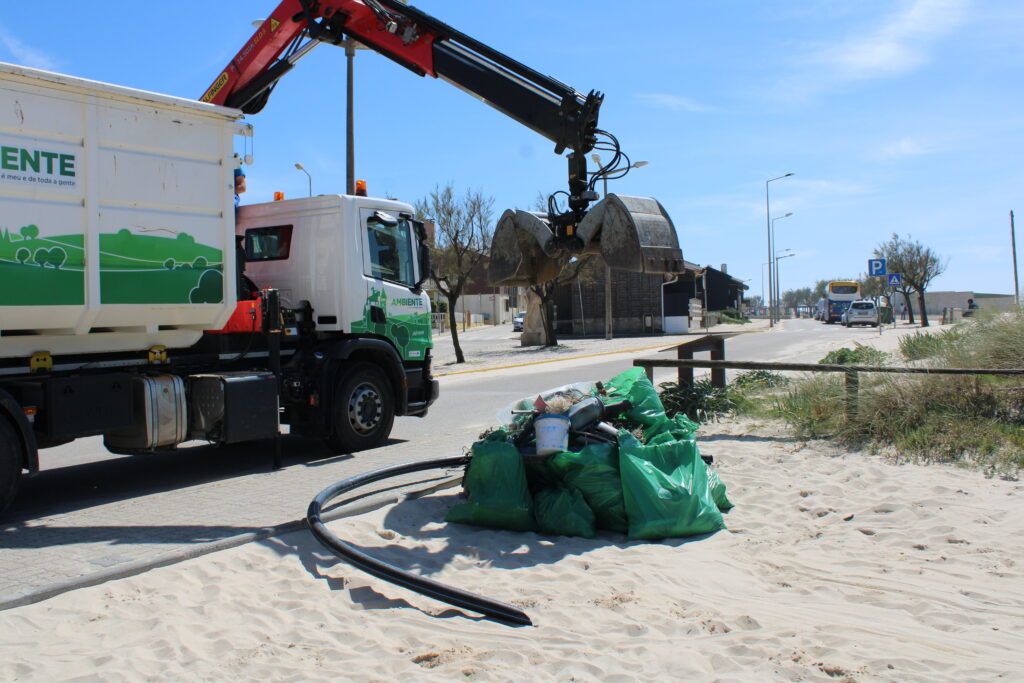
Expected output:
(863, 312)
(517, 322)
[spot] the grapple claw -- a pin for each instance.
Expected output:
(631, 233)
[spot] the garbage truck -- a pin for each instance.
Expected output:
(138, 304)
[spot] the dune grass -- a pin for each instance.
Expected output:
(970, 419)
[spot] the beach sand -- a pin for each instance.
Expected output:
(835, 566)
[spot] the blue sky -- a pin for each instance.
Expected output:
(895, 116)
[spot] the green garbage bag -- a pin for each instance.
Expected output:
(679, 426)
(563, 511)
(540, 474)
(718, 491)
(633, 384)
(594, 472)
(496, 485)
(714, 481)
(666, 490)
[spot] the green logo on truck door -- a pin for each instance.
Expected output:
(408, 329)
(39, 270)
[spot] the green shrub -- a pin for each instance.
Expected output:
(815, 407)
(759, 379)
(730, 316)
(859, 355)
(926, 345)
(700, 401)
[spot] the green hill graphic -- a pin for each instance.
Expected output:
(40, 270)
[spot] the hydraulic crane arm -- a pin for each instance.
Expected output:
(429, 47)
(423, 45)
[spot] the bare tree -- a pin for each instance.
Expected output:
(463, 233)
(923, 266)
(917, 264)
(873, 286)
(583, 269)
(894, 252)
(794, 298)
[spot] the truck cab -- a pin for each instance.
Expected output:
(349, 272)
(359, 263)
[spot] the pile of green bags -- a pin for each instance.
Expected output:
(650, 488)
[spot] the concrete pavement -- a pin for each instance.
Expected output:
(87, 545)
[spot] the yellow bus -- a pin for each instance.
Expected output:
(840, 294)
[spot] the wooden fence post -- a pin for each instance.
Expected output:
(717, 374)
(852, 383)
(684, 376)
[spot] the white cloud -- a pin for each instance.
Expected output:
(902, 149)
(25, 55)
(674, 102)
(899, 45)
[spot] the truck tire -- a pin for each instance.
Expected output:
(11, 460)
(364, 409)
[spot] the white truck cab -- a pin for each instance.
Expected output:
(358, 262)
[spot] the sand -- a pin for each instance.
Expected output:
(835, 566)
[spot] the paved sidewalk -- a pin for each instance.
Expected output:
(508, 353)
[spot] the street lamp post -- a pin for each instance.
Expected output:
(776, 268)
(299, 166)
(778, 291)
(350, 126)
(771, 246)
(764, 302)
(596, 158)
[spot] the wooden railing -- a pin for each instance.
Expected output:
(718, 368)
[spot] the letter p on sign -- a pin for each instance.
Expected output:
(876, 266)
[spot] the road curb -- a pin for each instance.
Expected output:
(191, 552)
(549, 360)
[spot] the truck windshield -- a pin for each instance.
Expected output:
(391, 252)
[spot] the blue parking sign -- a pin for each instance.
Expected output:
(895, 279)
(876, 266)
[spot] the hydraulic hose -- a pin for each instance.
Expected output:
(493, 609)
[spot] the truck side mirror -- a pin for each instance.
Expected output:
(424, 253)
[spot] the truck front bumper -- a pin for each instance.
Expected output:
(419, 409)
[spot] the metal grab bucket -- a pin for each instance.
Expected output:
(631, 233)
(519, 248)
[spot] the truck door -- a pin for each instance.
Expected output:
(395, 307)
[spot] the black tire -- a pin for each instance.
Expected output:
(11, 460)
(363, 409)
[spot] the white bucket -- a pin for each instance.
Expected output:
(552, 434)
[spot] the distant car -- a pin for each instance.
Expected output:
(863, 312)
(517, 322)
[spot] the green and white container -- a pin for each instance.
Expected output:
(116, 216)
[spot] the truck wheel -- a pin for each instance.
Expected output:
(364, 409)
(11, 459)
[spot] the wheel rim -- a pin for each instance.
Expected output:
(365, 408)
